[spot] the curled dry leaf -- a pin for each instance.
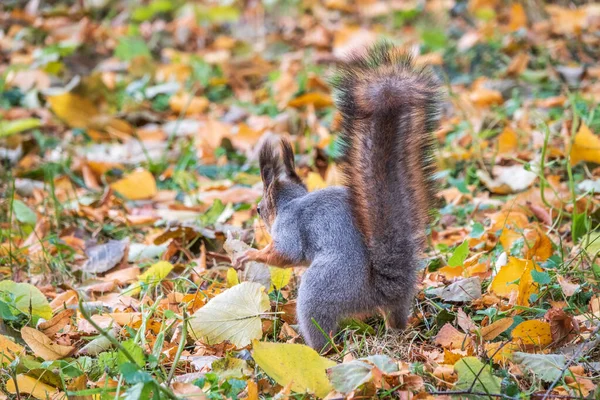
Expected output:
(562, 325)
(56, 323)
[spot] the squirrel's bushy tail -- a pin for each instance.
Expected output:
(389, 110)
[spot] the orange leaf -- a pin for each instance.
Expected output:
(586, 146)
(317, 99)
(139, 185)
(494, 330)
(507, 141)
(518, 18)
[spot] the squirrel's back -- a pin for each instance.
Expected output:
(389, 109)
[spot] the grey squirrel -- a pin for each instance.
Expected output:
(363, 241)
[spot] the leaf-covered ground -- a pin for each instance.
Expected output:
(128, 183)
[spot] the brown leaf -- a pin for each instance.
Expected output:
(43, 347)
(56, 323)
(568, 288)
(449, 337)
(494, 330)
(465, 322)
(562, 325)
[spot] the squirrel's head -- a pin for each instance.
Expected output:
(281, 183)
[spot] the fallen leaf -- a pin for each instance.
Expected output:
(76, 111)
(138, 185)
(464, 290)
(104, 257)
(568, 288)
(548, 367)
(9, 350)
(57, 322)
(233, 315)
(43, 347)
(28, 299)
(317, 99)
(495, 329)
(451, 338)
(348, 376)
(516, 270)
(586, 146)
(476, 376)
(294, 364)
(532, 333)
(562, 325)
(512, 179)
(33, 387)
(280, 277)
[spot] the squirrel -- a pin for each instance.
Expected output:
(363, 241)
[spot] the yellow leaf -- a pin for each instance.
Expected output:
(9, 349)
(76, 111)
(280, 277)
(518, 18)
(504, 283)
(232, 277)
(586, 146)
(537, 333)
(318, 99)
(294, 364)
(314, 182)
(507, 141)
(43, 347)
(33, 387)
(494, 330)
(500, 352)
(233, 315)
(156, 273)
(139, 185)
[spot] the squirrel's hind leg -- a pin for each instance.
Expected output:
(397, 314)
(327, 295)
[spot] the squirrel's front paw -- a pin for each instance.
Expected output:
(247, 256)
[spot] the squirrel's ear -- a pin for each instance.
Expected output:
(287, 155)
(270, 166)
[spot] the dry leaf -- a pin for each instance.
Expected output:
(56, 323)
(586, 146)
(43, 347)
(451, 338)
(495, 329)
(532, 333)
(139, 185)
(33, 387)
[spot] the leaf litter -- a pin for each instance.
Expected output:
(129, 185)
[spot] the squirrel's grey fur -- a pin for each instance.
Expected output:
(363, 241)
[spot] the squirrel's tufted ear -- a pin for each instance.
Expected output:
(270, 165)
(287, 154)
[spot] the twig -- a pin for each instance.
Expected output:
(497, 395)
